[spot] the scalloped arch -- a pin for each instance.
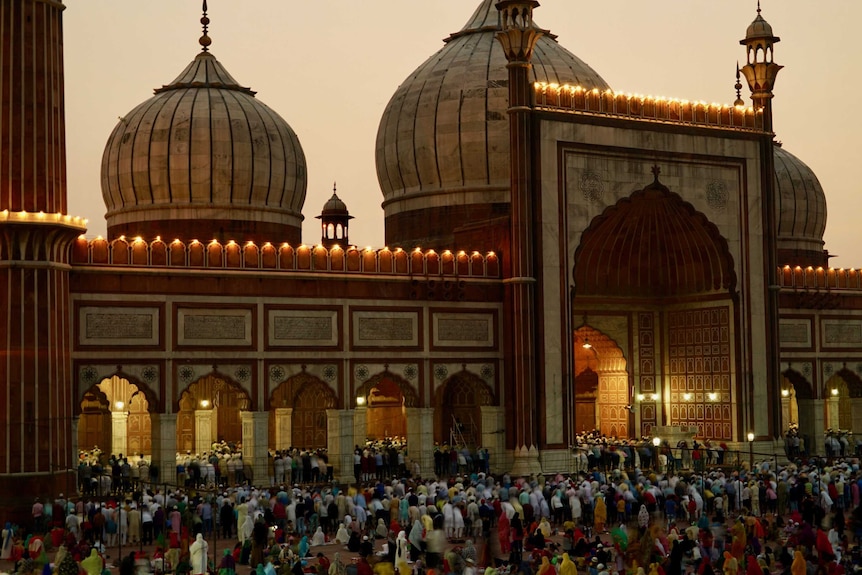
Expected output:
(287, 392)
(411, 398)
(652, 244)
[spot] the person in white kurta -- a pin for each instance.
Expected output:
(198, 552)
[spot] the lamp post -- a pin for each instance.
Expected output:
(751, 451)
(656, 441)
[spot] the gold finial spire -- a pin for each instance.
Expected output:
(758, 6)
(333, 187)
(739, 101)
(205, 40)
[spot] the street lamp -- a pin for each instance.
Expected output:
(656, 442)
(751, 451)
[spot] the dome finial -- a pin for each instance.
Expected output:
(334, 187)
(205, 40)
(758, 6)
(739, 101)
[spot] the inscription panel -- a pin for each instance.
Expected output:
(298, 328)
(842, 333)
(385, 329)
(794, 332)
(118, 326)
(214, 327)
(467, 329)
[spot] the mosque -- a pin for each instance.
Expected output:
(560, 257)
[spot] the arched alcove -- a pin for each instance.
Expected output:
(458, 413)
(217, 400)
(309, 398)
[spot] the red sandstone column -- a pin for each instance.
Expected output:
(518, 38)
(36, 392)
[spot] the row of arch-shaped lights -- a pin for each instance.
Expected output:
(232, 255)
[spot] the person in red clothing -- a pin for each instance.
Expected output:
(363, 567)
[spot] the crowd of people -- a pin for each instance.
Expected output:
(633, 514)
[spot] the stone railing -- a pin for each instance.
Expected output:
(652, 108)
(286, 258)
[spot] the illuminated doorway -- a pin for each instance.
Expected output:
(209, 411)
(115, 418)
(601, 384)
(386, 398)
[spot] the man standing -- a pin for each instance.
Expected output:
(38, 517)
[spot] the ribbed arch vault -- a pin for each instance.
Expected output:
(652, 244)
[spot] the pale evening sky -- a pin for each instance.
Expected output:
(329, 67)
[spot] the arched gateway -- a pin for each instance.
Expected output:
(656, 277)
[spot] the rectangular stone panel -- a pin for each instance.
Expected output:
(214, 327)
(385, 329)
(302, 328)
(118, 326)
(842, 333)
(794, 333)
(463, 330)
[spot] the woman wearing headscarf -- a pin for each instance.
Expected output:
(545, 568)
(303, 547)
(342, 535)
(381, 531)
(517, 536)
(6, 545)
(198, 551)
(600, 514)
(227, 565)
(93, 564)
(469, 551)
(568, 567)
(319, 538)
(67, 565)
(643, 519)
(415, 539)
(337, 567)
(504, 533)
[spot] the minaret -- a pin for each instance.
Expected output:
(36, 384)
(334, 219)
(760, 70)
(518, 38)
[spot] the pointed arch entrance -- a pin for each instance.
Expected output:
(459, 402)
(298, 416)
(799, 407)
(115, 417)
(656, 262)
(385, 398)
(601, 384)
(843, 400)
(209, 411)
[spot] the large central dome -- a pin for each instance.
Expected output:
(204, 159)
(443, 142)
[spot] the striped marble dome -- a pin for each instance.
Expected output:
(443, 140)
(801, 207)
(202, 159)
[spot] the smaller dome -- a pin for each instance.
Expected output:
(760, 28)
(801, 211)
(334, 206)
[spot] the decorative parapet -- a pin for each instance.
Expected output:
(580, 100)
(41, 218)
(819, 278)
(158, 254)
